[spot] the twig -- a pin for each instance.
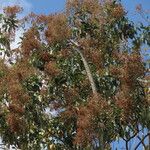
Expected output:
(131, 137)
(142, 140)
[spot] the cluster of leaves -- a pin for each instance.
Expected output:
(84, 65)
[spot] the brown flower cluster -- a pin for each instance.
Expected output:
(15, 108)
(94, 56)
(31, 41)
(42, 19)
(92, 6)
(118, 11)
(129, 69)
(97, 59)
(65, 53)
(86, 126)
(91, 51)
(45, 56)
(51, 68)
(125, 103)
(21, 71)
(71, 95)
(15, 122)
(3, 76)
(115, 71)
(12, 10)
(17, 96)
(57, 29)
(132, 69)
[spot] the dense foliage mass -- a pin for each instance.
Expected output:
(85, 66)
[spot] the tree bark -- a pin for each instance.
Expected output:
(87, 69)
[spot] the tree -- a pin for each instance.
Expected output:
(86, 65)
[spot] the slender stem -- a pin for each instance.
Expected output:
(88, 71)
(148, 134)
(142, 142)
(127, 145)
(128, 139)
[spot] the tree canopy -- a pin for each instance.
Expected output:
(77, 79)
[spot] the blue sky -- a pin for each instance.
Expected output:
(48, 6)
(52, 6)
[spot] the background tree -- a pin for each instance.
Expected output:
(84, 64)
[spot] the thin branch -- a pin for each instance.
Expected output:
(88, 71)
(127, 148)
(142, 140)
(131, 137)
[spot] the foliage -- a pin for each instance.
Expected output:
(85, 65)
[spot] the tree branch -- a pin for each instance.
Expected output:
(142, 140)
(88, 71)
(131, 137)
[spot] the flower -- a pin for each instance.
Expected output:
(12, 10)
